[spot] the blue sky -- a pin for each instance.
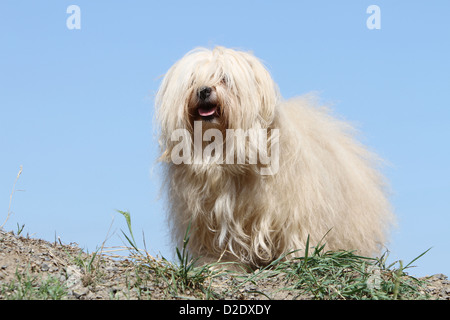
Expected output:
(76, 106)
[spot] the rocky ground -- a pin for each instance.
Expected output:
(27, 265)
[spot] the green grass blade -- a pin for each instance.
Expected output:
(418, 257)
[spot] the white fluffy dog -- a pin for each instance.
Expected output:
(221, 116)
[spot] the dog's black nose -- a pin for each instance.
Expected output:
(204, 92)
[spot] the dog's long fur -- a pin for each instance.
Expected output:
(327, 182)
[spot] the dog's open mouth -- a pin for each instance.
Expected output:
(208, 111)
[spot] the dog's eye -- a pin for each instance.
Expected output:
(225, 80)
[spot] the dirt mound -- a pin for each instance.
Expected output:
(37, 269)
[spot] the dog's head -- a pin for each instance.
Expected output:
(222, 88)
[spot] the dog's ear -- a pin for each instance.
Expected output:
(266, 90)
(269, 97)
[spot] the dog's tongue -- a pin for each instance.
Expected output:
(206, 112)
